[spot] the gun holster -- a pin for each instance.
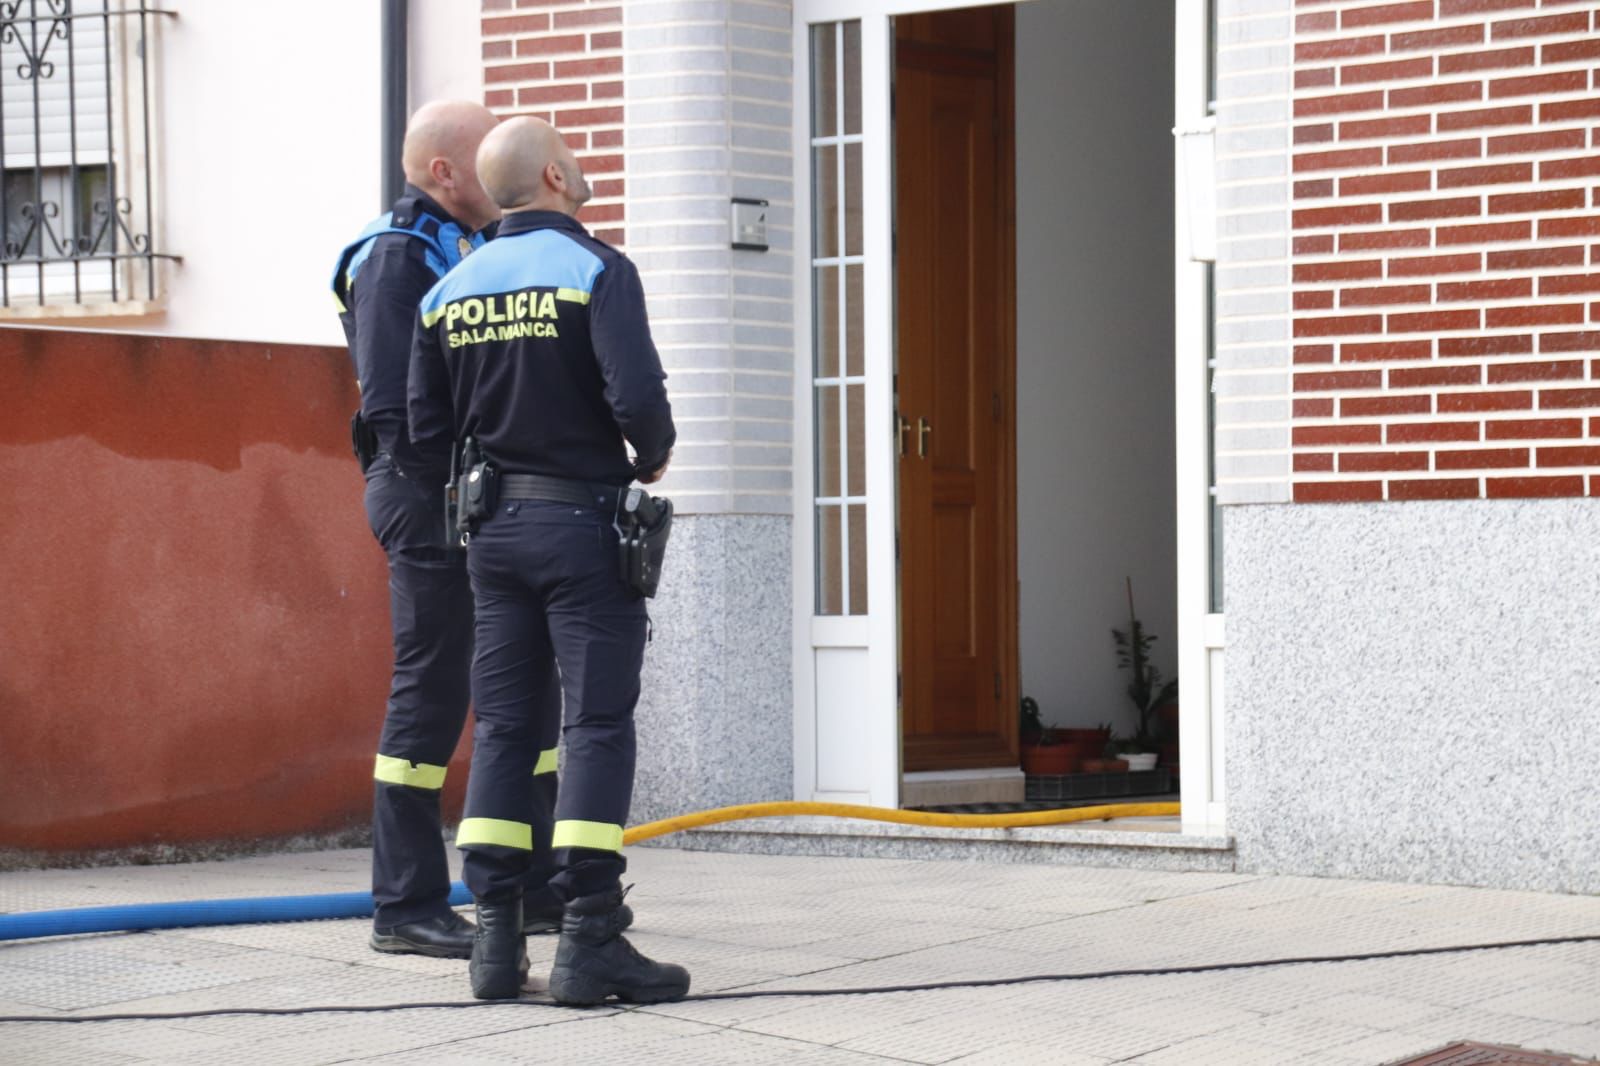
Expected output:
(644, 523)
(363, 441)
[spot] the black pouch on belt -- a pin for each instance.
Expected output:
(645, 524)
(363, 441)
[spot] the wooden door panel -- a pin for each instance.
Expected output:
(955, 363)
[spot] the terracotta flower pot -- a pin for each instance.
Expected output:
(1041, 760)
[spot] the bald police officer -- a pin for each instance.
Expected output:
(538, 349)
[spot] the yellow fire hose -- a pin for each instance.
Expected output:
(786, 808)
(359, 904)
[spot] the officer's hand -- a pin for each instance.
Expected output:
(656, 474)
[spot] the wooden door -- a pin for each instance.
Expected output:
(955, 385)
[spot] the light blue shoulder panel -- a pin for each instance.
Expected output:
(442, 251)
(538, 259)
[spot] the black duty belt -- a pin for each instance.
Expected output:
(558, 490)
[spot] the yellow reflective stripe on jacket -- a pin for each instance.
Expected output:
(601, 836)
(498, 831)
(576, 296)
(404, 772)
(546, 763)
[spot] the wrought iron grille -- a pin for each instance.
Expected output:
(75, 152)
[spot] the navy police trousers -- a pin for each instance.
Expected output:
(555, 623)
(430, 611)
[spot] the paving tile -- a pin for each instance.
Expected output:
(1299, 1031)
(41, 1050)
(1211, 1051)
(1556, 1005)
(1177, 1018)
(833, 1021)
(1483, 1026)
(1572, 1040)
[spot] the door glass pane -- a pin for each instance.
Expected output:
(825, 293)
(855, 328)
(825, 201)
(855, 446)
(858, 558)
(824, 80)
(827, 440)
(852, 77)
(830, 561)
(852, 199)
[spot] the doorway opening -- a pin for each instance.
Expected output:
(1034, 385)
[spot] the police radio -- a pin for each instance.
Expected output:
(469, 496)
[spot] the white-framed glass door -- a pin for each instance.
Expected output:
(847, 726)
(846, 596)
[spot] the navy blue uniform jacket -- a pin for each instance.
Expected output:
(537, 346)
(383, 284)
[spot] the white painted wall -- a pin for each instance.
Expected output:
(268, 140)
(1094, 346)
(446, 51)
(270, 127)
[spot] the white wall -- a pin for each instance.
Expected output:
(1094, 346)
(269, 135)
(269, 129)
(446, 51)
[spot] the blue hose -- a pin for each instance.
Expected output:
(134, 916)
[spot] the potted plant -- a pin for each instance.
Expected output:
(1133, 754)
(1145, 688)
(1030, 728)
(1044, 753)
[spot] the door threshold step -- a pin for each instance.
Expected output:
(1141, 843)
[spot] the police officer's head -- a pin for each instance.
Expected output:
(526, 165)
(440, 158)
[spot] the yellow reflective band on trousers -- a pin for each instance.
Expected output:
(497, 831)
(404, 772)
(601, 836)
(546, 763)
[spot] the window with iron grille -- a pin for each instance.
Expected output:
(78, 195)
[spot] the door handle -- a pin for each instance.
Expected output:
(901, 428)
(924, 427)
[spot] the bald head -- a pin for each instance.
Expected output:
(440, 157)
(526, 165)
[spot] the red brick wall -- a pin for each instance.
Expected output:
(1446, 216)
(561, 60)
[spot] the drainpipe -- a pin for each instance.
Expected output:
(394, 98)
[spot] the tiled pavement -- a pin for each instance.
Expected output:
(774, 922)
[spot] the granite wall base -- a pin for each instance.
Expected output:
(716, 721)
(1413, 691)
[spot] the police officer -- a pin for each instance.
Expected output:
(379, 281)
(538, 349)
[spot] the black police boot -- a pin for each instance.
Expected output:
(594, 960)
(499, 951)
(541, 913)
(446, 937)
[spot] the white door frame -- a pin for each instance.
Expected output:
(854, 662)
(1201, 634)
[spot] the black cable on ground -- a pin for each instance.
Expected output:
(808, 993)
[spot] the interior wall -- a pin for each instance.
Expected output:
(1095, 391)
